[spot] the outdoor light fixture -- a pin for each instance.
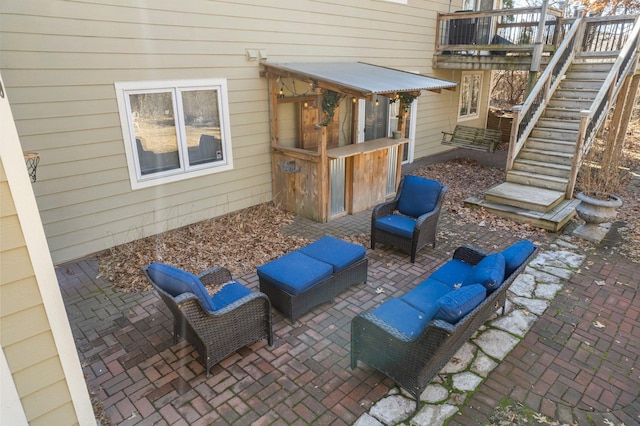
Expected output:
(377, 102)
(353, 99)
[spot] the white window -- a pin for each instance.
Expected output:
(470, 89)
(174, 130)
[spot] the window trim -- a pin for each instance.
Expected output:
(477, 114)
(176, 87)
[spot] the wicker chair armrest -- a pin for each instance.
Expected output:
(384, 209)
(215, 276)
(385, 327)
(468, 254)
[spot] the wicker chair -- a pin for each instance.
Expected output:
(419, 202)
(216, 326)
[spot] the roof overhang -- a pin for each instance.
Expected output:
(357, 78)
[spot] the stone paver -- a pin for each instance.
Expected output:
(570, 345)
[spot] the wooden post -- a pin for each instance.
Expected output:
(513, 139)
(536, 56)
(273, 111)
(619, 124)
(324, 197)
(577, 156)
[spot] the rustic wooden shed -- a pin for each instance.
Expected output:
(320, 169)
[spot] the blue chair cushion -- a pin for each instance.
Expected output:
(458, 303)
(228, 294)
(176, 281)
(295, 272)
(489, 272)
(404, 317)
(425, 296)
(397, 224)
(515, 254)
(453, 272)
(335, 252)
(418, 195)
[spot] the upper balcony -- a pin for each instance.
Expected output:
(509, 39)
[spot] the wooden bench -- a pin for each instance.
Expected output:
(472, 138)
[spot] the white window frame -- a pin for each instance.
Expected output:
(176, 87)
(469, 116)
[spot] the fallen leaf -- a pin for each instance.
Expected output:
(600, 283)
(598, 324)
(379, 290)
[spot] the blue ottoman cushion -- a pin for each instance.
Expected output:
(458, 303)
(515, 254)
(335, 252)
(404, 317)
(426, 295)
(228, 294)
(453, 272)
(419, 195)
(176, 281)
(295, 272)
(397, 224)
(489, 272)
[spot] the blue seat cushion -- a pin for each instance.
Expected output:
(229, 293)
(489, 272)
(295, 272)
(515, 255)
(453, 272)
(425, 296)
(418, 195)
(335, 252)
(176, 281)
(397, 224)
(404, 317)
(458, 303)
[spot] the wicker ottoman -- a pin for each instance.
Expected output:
(312, 275)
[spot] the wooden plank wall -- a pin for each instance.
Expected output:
(60, 60)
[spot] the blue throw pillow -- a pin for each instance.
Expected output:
(458, 303)
(176, 281)
(418, 195)
(228, 294)
(489, 272)
(515, 254)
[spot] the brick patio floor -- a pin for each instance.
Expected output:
(564, 368)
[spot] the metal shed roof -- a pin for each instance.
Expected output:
(358, 76)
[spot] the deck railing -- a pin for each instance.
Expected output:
(593, 118)
(526, 115)
(505, 30)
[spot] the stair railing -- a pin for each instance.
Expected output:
(526, 115)
(593, 118)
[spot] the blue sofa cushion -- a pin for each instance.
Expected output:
(228, 294)
(404, 317)
(489, 272)
(295, 272)
(458, 303)
(397, 224)
(176, 281)
(453, 272)
(515, 254)
(425, 296)
(418, 196)
(335, 252)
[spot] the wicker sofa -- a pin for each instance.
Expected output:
(216, 326)
(411, 338)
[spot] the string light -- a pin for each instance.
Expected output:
(377, 102)
(353, 99)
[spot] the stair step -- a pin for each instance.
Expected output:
(562, 113)
(541, 132)
(559, 124)
(586, 75)
(555, 102)
(524, 196)
(551, 145)
(570, 84)
(591, 66)
(553, 220)
(532, 166)
(534, 179)
(550, 157)
(575, 93)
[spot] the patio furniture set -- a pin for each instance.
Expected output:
(409, 339)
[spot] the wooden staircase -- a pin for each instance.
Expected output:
(535, 186)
